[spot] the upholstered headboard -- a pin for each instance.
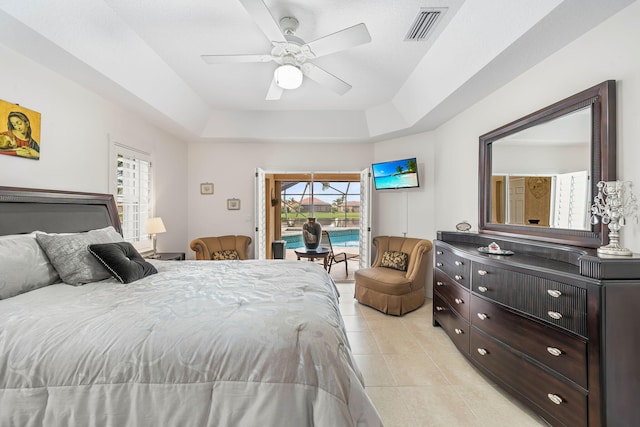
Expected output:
(23, 210)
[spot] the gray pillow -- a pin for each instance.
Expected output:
(23, 265)
(70, 255)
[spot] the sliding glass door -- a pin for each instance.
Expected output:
(338, 201)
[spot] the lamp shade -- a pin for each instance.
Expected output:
(288, 76)
(154, 226)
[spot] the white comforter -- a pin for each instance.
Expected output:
(252, 343)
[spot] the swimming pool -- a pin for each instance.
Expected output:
(348, 237)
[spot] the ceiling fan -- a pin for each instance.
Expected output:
(292, 54)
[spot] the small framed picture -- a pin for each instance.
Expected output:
(206, 188)
(233, 204)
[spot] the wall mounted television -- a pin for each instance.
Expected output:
(396, 174)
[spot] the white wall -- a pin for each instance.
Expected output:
(231, 168)
(546, 160)
(75, 129)
(410, 211)
(609, 51)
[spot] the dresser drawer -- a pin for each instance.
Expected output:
(551, 301)
(565, 403)
(550, 346)
(455, 326)
(453, 294)
(456, 267)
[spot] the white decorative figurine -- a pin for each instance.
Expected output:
(615, 203)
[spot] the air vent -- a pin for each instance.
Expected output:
(424, 23)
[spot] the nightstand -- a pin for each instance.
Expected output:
(170, 256)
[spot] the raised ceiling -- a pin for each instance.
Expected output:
(146, 55)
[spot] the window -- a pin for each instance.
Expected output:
(131, 185)
(335, 203)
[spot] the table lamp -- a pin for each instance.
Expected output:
(153, 227)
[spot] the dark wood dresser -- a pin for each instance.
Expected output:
(556, 326)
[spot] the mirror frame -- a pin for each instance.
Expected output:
(602, 99)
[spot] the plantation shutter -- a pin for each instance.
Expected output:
(133, 184)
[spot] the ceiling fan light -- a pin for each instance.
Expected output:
(288, 76)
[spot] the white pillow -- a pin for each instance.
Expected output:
(23, 265)
(70, 255)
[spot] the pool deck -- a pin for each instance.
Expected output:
(337, 271)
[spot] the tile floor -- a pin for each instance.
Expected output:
(415, 375)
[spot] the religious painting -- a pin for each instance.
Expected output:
(19, 131)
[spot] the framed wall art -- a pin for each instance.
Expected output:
(206, 188)
(19, 131)
(233, 204)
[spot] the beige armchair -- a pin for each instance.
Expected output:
(391, 290)
(221, 247)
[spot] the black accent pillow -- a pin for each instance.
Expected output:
(122, 260)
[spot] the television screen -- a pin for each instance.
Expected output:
(396, 174)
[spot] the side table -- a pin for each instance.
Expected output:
(169, 256)
(312, 254)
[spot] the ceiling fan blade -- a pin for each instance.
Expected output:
(343, 39)
(325, 78)
(263, 18)
(275, 91)
(232, 59)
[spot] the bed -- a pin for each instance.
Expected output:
(224, 343)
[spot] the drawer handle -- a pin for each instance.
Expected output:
(482, 316)
(482, 272)
(555, 315)
(554, 293)
(458, 263)
(439, 252)
(438, 308)
(555, 398)
(458, 277)
(458, 331)
(439, 283)
(482, 351)
(554, 351)
(458, 301)
(439, 264)
(483, 289)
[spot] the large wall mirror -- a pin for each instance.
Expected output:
(538, 174)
